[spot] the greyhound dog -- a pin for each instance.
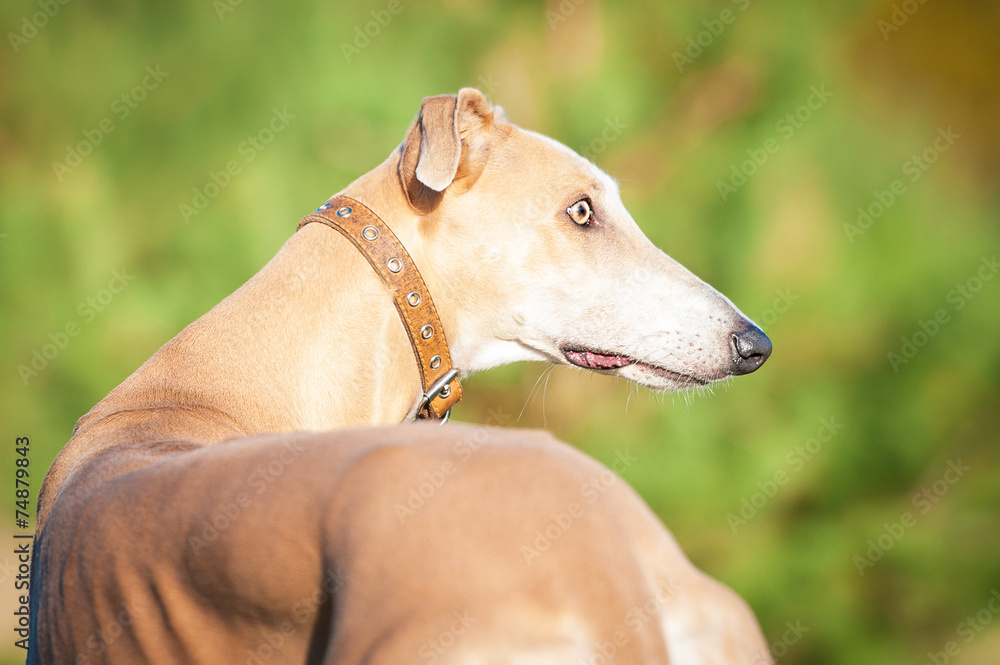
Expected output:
(230, 501)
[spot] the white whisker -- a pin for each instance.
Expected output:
(534, 389)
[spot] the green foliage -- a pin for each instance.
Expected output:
(787, 246)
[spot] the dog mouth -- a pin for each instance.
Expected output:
(597, 360)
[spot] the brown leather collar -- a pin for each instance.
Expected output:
(392, 263)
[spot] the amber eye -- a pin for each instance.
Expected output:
(581, 212)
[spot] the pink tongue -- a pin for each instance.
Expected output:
(597, 360)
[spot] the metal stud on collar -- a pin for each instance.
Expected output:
(364, 229)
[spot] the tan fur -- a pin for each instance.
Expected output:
(261, 388)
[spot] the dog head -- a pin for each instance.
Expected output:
(531, 255)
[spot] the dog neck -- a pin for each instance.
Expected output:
(311, 342)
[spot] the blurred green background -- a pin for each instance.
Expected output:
(781, 484)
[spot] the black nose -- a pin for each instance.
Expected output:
(751, 348)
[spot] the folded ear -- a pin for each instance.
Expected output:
(448, 140)
(440, 145)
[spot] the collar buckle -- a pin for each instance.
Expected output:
(441, 387)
